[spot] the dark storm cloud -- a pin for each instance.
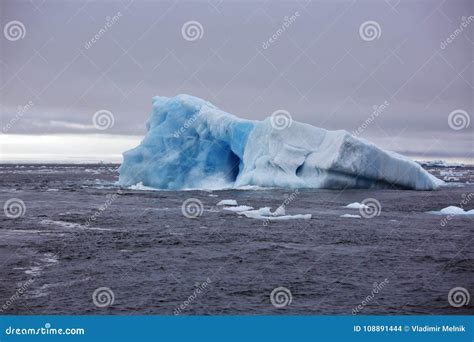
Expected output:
(311, 58)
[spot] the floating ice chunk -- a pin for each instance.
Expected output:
(239, 208)
(191, 144)
(350, 216)
(227, 202)
(255, 215)
(356, 205)
(34, 271)
(266, 214)
(290, 217)
(280, 211)
(265, 211)
(453, 210)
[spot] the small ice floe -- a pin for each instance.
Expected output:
(356, 205)
(350, 216)
(453, 210)
(212, 195)
(265, 211)
(227, 202)
(256, 216)
(52, 190)
(266, 214)
(238, 208)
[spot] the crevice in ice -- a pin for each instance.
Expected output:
(235, 164)
(299, 170)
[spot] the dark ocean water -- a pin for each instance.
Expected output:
(79, 236)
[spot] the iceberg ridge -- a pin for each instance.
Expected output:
(190, 143)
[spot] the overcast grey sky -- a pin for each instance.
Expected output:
(322, 66)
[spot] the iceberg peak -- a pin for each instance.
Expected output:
(190, 143)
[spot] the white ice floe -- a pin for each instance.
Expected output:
(255, 215)
(227, 202)
(356, 205)
(238, 208)
(453, 210)
(266, 214)
(350, 216)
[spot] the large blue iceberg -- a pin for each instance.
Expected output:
(190, 143)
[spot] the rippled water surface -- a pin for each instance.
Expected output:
(78, 234)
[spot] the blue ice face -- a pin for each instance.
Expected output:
(189, 142)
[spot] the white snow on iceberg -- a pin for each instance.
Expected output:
(190, 143)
